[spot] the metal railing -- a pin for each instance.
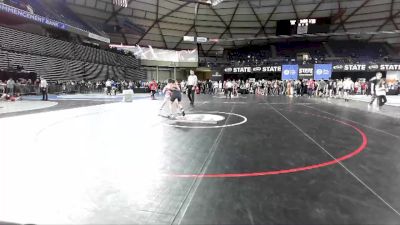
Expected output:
(29, 89)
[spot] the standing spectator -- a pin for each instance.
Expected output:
(2, 87)
(321, 88)
(183, 86)
(130, 85)
(108, 86)
(10, 86)
(215, 87)
(310, 88)
(209, 87)
(381, 89)
(289, 91)
(348, 86)
(374, 81)
(330, 88)
(153, 88)
(44, 89)
(363, 88)
(36, 86)
(340, 88)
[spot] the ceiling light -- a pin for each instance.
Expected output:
(205, 2)
(122, 3)
(216, 2)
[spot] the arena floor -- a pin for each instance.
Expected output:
(249, 160)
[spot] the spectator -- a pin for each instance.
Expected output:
(153, 88)
(2, 87)
(108, 86)
(381, 89)
(10, 86)
(348, 86)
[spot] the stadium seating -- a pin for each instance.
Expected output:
(358, 49)
(60, 60)
(333, 51)
(314, 49)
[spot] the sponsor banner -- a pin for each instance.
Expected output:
(49, 22)
(366, 67)
(322, 71)
(389, 67)
(31, 16)
(350, 67)
(290, 72)
(306, 72)
(254, 69)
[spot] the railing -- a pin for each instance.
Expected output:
(25, 89)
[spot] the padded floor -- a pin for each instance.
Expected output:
(270, 160)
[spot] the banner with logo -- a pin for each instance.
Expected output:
(49, 22)
(253, 69)
(322, 71)
(350, 67)
(306, 72)
(359, 67)
(290, 72)
(389, 67)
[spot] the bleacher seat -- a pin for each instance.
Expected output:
(60, 60)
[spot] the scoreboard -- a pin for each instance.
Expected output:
(303, 26)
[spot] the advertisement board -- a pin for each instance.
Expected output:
(306, 72)
(253, 69)
(49, 22)
(322, 71)
(290, 72)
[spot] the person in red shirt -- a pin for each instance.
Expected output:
(363, 88)
(310, 87)
(153, 88)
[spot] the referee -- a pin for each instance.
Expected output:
(44, 89)
(191, 86)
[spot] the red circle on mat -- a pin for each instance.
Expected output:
(292, 170)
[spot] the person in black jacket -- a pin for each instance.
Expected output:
(374, 81)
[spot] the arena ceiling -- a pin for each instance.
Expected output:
(163, 23)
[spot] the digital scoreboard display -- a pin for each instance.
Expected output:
(303, 26)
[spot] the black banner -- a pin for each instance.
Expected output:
(306, 72)
(389, 67)
(350, 67)
(371, 67)
(254, 69)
